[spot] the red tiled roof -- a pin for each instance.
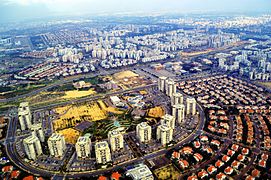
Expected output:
(262, 163)
(7, 168)
(176, 155)
(204, 138)
(196, 144)
(198, 156)
(250, 178)
(220, 176)
(228, 170)
(264, 156)
(225, 158)
(183, 163)
(15, 174)
(193, 177)
(216, 142)
(255, 173)
(28, 178)
(219, 163)
(211, 169)
(202, 173)
(240, 157)
(235, 164)
(230, 152)
(102, 178)
(187, 150)
(235, 147)
(245, 151)
(115, 176)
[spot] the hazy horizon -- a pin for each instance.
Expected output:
(17, 10)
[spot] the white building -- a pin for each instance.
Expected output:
(115, 100)
(56, 144)
(116, 140)
(178, 111)
(37, 129)
(24, 115)
(170, 87)
(143, 132)
(191, 106)
(32, 147)
(83, 147)
(164, 134)
(102, 152)
(162, 83)
(168, 120)
(140, 172)
(177, 98)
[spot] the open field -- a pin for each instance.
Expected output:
(266, 84)
(45, 97)
(125, 74)
(71, 135)
(156, 112)
(167, 172)
(11, 91)
(108, 109)
(77, 94)
(71, 115)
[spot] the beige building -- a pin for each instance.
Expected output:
(168, 120)
(170, 87)
(178, 111)
(177, 98)
(191, 106)
(164, 134)
(56, 144)
(83, 147)
(116, 140)
(143, 132)
(37, 129)
(24, 115)
(102, 152)
(162, 83)
(32, 147)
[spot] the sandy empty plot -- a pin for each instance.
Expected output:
(125, 74)
(266, 84)
(71, 135)
(167, 172)
(109, 109)
(156, 112)
(77, 94)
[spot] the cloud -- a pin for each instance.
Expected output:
(72, 7)
(44, 2)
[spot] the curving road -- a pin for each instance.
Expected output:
(18, 161)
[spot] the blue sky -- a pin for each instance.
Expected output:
(20, 9)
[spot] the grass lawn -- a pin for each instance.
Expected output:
(167, 172)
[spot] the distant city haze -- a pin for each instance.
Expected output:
(15, 10)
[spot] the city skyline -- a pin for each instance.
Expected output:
(131, 90)
(17, 10)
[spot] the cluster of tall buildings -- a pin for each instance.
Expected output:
(253, 63)
(164, 132)
(56, 142)
(83, 146)
(56, 145)
(168, 86)
(32, 143)
(32, 147)
(24, 115)
(103, 149)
